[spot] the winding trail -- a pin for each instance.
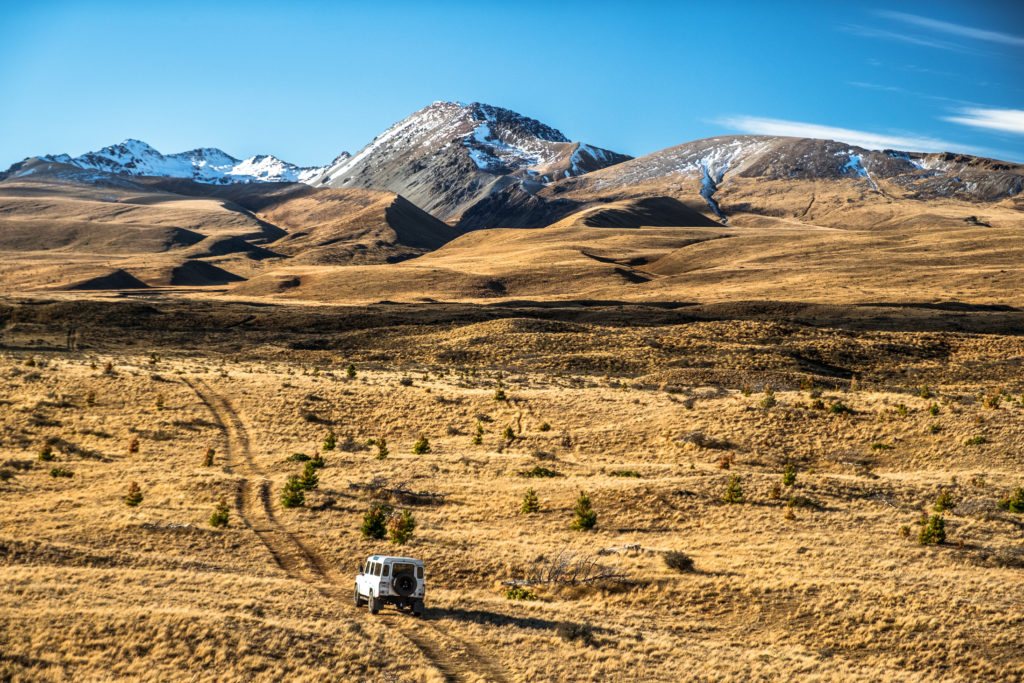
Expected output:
(454, 656)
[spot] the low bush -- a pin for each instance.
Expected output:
(530, 502)
(789, 475)
(330, 441)
(400, 527)
(297, 457)
(60, 472)
(375, 521)
(570, 632)
(934, 532)
(586, 518)
(293, 495)
(220, 515)
(678, 561)
(734, 491)
(944, 502)
(134, 496)
(1014, 503)
(625, 473)
(421, 446)
(520, 593)
(975, 441)
(539, 472)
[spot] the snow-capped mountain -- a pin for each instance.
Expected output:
(448, 155)
(205, 165)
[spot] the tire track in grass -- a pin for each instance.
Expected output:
(456, 658)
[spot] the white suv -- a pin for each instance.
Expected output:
(396, 580)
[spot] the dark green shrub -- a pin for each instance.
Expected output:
(544, 427)
(933, 409)
(803, 502)
(586, 518)
(1014, 503)
(520, 593)
(421, 446)
(400, 527)
(530, 502)
(539, 472)
(789, 475)
(46, 453)
(625, 473)
(839, 408)
(316, 461)
(901, 410)
(293, 495)
(309, 479)
(734, 491)
(478, 437)
(330, 441)
(60, 472)
(297, 457)
(220, 515)
(769, 398)
(879, 446)
(570, 632)
(134, 496)
(925, 392)
(405, 381)
(499, 395)
(679, 561)
(975, 441)
(208, 457)
(934, 532)
(935, 428)
(509, 434)
(350, 371)
(382, 448)
(375, 521)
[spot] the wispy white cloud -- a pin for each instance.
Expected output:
(869, 140)
(871, 32)
(1008, 120)
(954, 29)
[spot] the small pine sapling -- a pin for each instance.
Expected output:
(530, 502)
(134, 496)
(586, 518)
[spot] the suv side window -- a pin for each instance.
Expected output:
(419, 572)
(384, 570)
(366, 569)
(375, 570)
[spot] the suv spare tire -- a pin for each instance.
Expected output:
(404, 584)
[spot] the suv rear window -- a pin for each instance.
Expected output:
(404, 568)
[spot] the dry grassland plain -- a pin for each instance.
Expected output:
(651, 412)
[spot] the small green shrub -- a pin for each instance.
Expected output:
(520, 593)
(405, 381)
(904, 531)
(817, 404)
(1014, 503)
(544, 427)
(208, 457)
(309, 479)
(400, 527)
(933, 409)
(330, 441)
(944, 502)
(934, 532)
(375, 521)
(350, 371)
(530, 502)
(60, 472)
(316, 461)
(509, 434)
(975, 441)
(935, 428)
(803, 502)
(46, 453)
(499, 394)
(746, 390)
(734, 491)
(586, 518)
(879, 446)
(789, 475)
(382, 448)
(769, 398)
(901, 410)
(134, 496)
(839, 408)
(625, 473)
(220, 515)
(925, 392)
(297, 457)
(539, 472)
(421, 446)
(478, 436)
(293, 495)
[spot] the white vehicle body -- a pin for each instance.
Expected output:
(384, 579)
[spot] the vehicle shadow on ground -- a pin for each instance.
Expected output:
(491, 618)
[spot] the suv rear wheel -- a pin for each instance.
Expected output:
(417, 608)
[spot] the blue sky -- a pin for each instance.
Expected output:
(304, 81)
